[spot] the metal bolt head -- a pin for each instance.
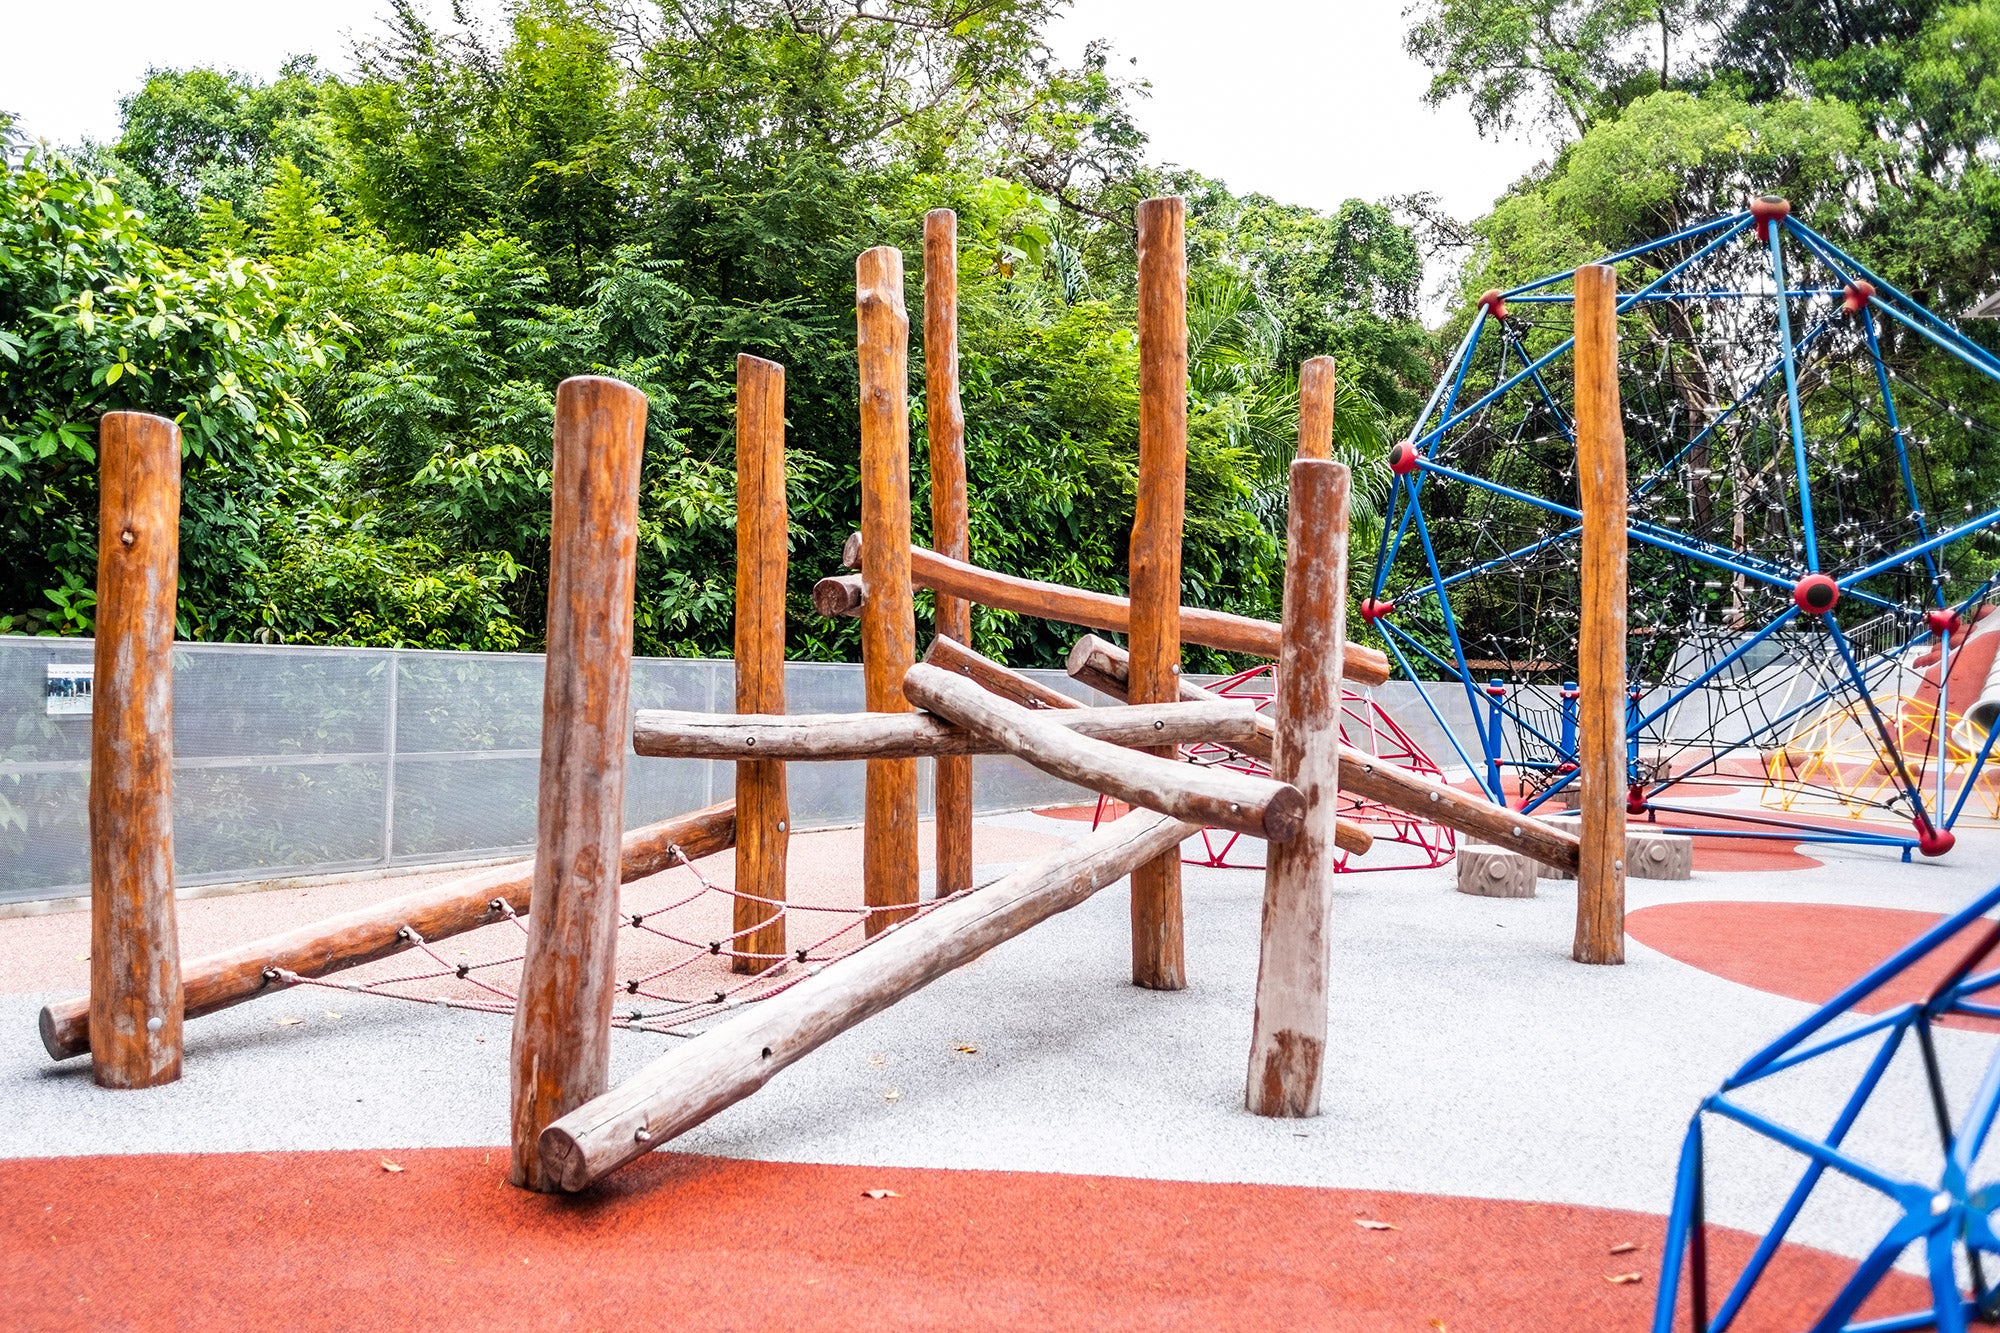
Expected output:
(1940, 1203)
(127, 537)
(155, 1023)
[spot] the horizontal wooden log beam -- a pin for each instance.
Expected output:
(1102, 665)
(995, 678)
(666, 734)
(732, 1060)
(1212, 797)
(1102, 610)
(839, 595)
(368, 933)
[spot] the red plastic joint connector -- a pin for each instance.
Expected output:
(1934, 841)
(1943, 620)
(1768, 208)
(1373, 608)
(1815, 594)
(1494, 304)
(1402, 458)
(1857, 296)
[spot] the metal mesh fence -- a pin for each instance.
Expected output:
(319, 760)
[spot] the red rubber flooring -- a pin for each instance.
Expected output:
(1808, 951)
(332, 1240)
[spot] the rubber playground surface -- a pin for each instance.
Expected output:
(1028, 1143)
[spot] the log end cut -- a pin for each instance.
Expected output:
(65, 1035)
(1285, 814)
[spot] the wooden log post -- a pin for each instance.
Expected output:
(951, 534)
(271, 964)
(888, 615)
(1103, 666)
(562, 1021)
(135, 961)
(1097, 610)
(727, 1063)
(1316, 385)
(1288, 1034)
(1159, 953)
(1212, 797)
(763, 814)
(1600, 724)
(834, 737)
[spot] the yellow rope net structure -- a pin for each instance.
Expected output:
(1834, 761)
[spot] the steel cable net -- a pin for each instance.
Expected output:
(678, 952)
(1791, 422)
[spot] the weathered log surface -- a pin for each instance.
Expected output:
(732, 1060)
(665, 734)
(135, 962)
(380, 930)
(1106, 611)
(1288, 1031)
(1102, 666)
(840, 595)
(995, 678)
(1214, 797)
(888, 614)
(1316, 395)
(1600, 675)
(562, 1019)
(763, 809)
(951, 534)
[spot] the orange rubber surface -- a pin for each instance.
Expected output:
(333, 1240)
(1807, 951)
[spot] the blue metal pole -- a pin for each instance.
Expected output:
(1495, 692)
(1798, 424)
(1722, 220)
(1902, 446)
(1687, 1180)
(1937, 543)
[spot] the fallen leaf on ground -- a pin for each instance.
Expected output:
(1438, 1324)
(967, 1048)
(290, 1022)
(1620, 1279)
(893, 1095)
(880, 1194)
(1373, 1225)
(393, 1169)
(1625, 1247)
(331, 1014)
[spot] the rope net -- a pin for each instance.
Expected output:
(1768, 441)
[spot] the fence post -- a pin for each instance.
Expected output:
(1288, 1035)
(135, 963)
(763, 816)
(888, 617)
(1600, 435)
(562, 1023)
(1159, 957)
(944, 417)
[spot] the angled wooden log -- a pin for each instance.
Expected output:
(763, 810)
(821, 737)
(1600, 676)
(944, 424)
(732, 1060)
(260, 967)
(888, 614)
(995, 678)
(839, 595)
(135, 962)
(1214, 797)
(1107, 611)
(1102, 666)
(1288, 1032)
(562, 1021)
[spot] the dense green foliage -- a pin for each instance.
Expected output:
(414, 256)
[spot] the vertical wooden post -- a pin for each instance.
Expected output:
(1316, 385)
(950, 527)
(888, 617)
(1288, 1036)
(1600, 447)
(1159, 959)
(135, 960)
(562, 1025)
(763, 815)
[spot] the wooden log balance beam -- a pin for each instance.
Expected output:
(665, 734)
(221, 980)
(1030, 693)
(1102, 666)
(1211, 797)
(732, 1060)
(840, 595)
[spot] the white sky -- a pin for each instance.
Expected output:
(1309, 101)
